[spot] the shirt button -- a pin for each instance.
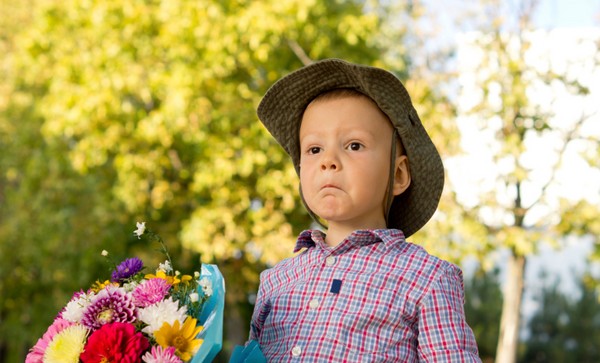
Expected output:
(314, 303)
(330, 261)
(296, 351)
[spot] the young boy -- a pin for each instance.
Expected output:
(370, 173)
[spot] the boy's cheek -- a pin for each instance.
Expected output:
(305, 170)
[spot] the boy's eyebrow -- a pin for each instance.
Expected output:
(350, 133)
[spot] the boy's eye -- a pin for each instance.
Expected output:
(355, 146)
(314, 150)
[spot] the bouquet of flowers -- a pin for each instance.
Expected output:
(139, 317)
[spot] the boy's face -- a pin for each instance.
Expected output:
(345, 146)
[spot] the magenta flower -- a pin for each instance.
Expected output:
(110, 305)
(150, 292)
(127, 268)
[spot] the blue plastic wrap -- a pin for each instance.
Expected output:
(211, 316)
(250, 353)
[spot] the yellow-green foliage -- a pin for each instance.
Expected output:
(114, 111)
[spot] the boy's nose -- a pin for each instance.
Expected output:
(329, 162)
(328, 166)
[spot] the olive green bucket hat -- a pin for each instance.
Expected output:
(282, 108)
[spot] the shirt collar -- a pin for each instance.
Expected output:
(309, 239)
(313, 238)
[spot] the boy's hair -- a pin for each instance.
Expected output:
(282, 108)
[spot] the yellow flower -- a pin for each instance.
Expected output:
(99, 285)
(67, 345)
(186, 279)
(183, 337)
(185, 282)
(172, 280)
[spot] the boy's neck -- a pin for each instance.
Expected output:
(337, 233)
(334, 238)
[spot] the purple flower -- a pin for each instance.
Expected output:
(111, 305)
(127, 268)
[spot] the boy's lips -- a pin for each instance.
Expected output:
(329, 186)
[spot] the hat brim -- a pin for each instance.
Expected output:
(282, 108)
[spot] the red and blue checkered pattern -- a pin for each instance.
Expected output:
(372, 298)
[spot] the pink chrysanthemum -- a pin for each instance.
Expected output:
(159, 354)
(36, 354)
(150, 292)
(110, 305)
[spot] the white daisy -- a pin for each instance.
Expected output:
(74, 310)
(166, 311)
(141, 227)
(165, 267)
(206, 285)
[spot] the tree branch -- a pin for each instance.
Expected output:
(570, 136)
(299, 52)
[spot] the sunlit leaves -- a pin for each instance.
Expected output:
(114, 111)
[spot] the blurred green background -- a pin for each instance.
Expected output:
(117, 111)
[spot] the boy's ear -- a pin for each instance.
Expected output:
(402, 175)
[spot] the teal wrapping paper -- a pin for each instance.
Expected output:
(250, 353)
(211, 316)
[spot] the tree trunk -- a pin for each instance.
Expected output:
(511, 311)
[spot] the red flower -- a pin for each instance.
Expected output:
(115, 343)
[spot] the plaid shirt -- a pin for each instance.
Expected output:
(372, 298)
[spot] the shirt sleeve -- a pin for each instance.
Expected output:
(444, 335)
(261, 311)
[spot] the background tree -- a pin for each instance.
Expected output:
(548, 340)
(565, 328)
(583, 329)
(483, 305)
(515, 85)
(117, 111)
